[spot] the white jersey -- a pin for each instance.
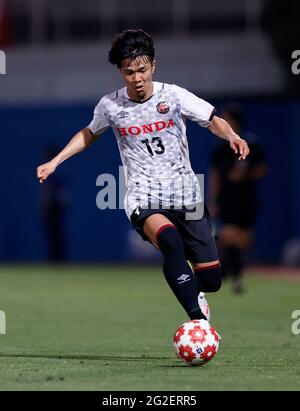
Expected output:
(153, 145)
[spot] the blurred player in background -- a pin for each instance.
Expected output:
(53, 204)
(232, 197)
(148, 119)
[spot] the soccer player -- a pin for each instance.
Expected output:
(233, 198)
(148, 119)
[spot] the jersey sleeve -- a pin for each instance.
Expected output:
(99, 123)
(195, 108)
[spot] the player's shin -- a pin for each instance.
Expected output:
(178, 273)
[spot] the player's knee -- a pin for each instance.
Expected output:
(210, 278)
(169, 240)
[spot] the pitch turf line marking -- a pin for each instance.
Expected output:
(84, 357)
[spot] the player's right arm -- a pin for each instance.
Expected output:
(82, 140)
(196, 109)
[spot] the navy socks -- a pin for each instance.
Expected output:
(177, 271)
(209, 279)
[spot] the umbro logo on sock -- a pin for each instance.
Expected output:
(183, 278)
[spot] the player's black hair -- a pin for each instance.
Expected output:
(130, 44)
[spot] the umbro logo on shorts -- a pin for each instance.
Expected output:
(183, 278)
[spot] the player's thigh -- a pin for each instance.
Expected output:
(199, 241)
(153, 224)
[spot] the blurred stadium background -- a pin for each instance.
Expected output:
(57, 69)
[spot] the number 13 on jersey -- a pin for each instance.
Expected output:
(155, 145)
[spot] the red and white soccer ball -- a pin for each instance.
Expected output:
(196, 342)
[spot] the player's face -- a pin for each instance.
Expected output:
(137, 75)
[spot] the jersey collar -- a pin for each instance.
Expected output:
(155, 88)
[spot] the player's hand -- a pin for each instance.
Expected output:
(240, 147)
(44, 171)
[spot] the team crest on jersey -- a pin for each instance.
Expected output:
(162, 107)
(122, 114)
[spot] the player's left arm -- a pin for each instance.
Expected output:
(222, 129)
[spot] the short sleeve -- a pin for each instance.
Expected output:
(99, 123)
(195, 108)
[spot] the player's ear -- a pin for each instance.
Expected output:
(153, 66)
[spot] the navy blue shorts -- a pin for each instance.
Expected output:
(197, 235)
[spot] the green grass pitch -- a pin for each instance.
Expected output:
(111, 328)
